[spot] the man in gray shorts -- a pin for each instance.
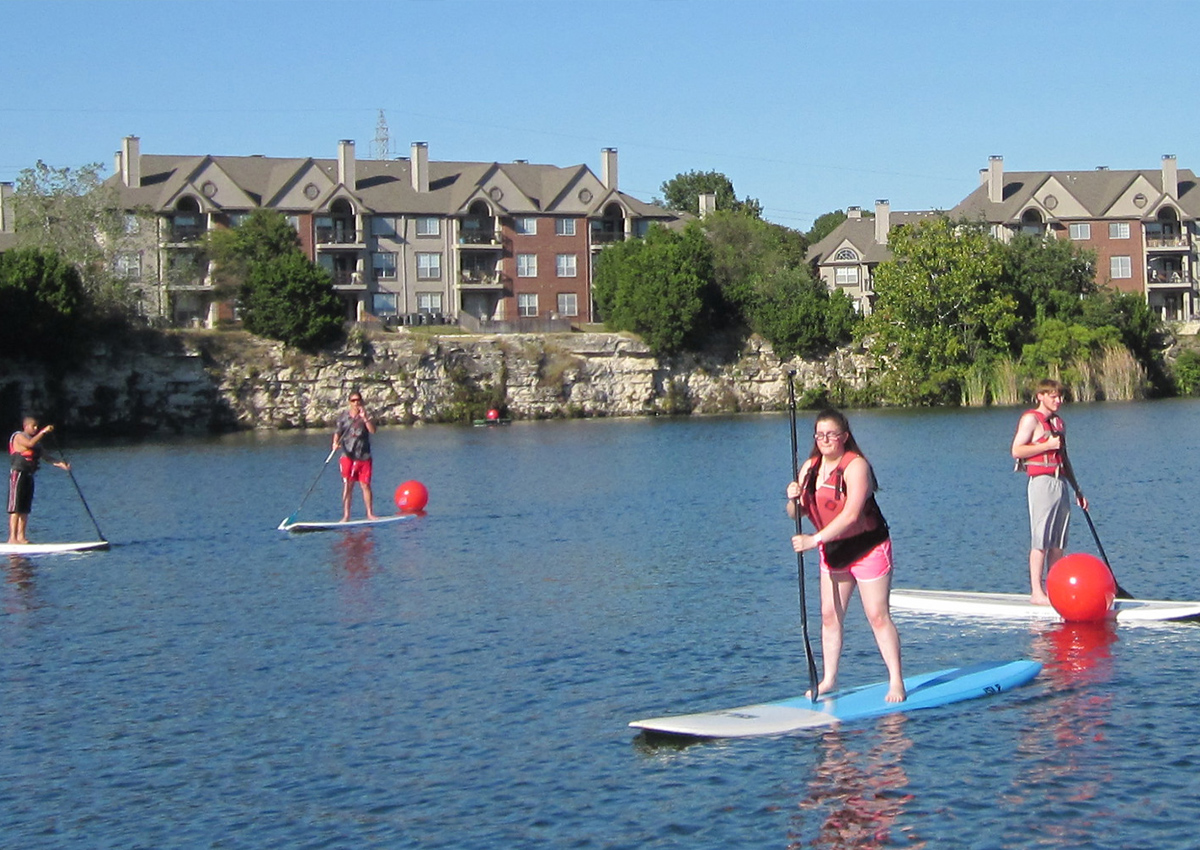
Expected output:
(1037, 447)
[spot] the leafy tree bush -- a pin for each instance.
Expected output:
(745, 251)
(683, 191)
(1186, 373)
(290, 299)
(659, 287)
(798, 315)
(42, 302)
(824, 225)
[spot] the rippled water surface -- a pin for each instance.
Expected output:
(465, 679)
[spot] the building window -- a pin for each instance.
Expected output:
(564, 265)
(527, 304)
(128, 265)
(429, 226)
(845, 254)
(526, 265)
(294, 221)
(564, 226)
(1118, 230)
(526, 226)
(383, 226)
(132, 225)
(238, 219)
(1120, 267)
(1081, 231)
(383, 303)
(846, 275)
(429, 266)
(429, 302)
(568, 304)
(384, 264)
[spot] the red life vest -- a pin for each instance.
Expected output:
(1046, 463)
(823, 503)
(23, 460)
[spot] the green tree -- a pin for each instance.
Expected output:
(939, 307)
(42, 300)
(745, 250)
(72, 213)
(683, 191)
(289, 299)
(659, 287)
(798, 315)
(264, 235)
(1049, 277)
(824, 225)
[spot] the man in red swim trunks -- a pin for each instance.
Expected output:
(353, 435)
(25, 454)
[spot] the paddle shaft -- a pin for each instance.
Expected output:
(62, 457)
(292, 516)
(1069, 474)
(808, 652)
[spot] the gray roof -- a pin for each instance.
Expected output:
(860, 234)
(1096, 192)
(381, 186)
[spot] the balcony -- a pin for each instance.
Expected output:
(1161, 240)
(607, 237)
(179, 233)
(1168, 281)
(478, 232)
(480, 280)
(338, 237)
(343, 279)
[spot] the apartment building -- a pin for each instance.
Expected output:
(403, 239)
(1141, 225)
(7, 236)
(846, 258)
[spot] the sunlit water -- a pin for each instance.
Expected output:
(465, 679)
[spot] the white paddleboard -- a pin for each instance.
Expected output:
(50, 548)
(299, 527)
(1016, 606)
(927, 690)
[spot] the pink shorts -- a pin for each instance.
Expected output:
(357, 470)
(874, 565)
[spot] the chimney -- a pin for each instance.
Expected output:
(6, 190)
(708, 203)
(347, 171)
(420, 166)
(983, 176)
(608, 168)
(1170, 175)
(883, 221)
(131, 161)
(853, 212)
(995, 179)
(117, 163)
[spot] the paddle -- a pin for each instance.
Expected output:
(292, 516)
(808, 653)
(1069, 474)
(58, 450)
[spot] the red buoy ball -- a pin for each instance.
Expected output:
(411, 497)
(1081, 588)
(493, 414)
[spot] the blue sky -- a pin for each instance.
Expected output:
(809, 105)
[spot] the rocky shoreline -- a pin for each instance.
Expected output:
(216, 381)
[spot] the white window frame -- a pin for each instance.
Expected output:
(1080, 231)
(1118, 230)
(429, 265)
(527, 304)
(564, 227)
(525, 225)
(845, 275)
(527, 265)
(127, 265)
(1120, 268)
(132, 224)
(380, 269)
(428, 225)
(383, 226)
(429, 302)
(568, 304)
(384, 303)
(566, 265)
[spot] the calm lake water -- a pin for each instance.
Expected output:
(464, 680)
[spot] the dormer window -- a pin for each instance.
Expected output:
(845, 255)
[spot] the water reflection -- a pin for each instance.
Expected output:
(861, 794)
(19, 585)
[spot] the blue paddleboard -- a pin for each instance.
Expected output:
(927, 690)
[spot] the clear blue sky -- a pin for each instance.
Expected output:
(809, 105)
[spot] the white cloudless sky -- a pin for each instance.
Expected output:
(808, 105)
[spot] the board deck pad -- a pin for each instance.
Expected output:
(927, 690)
(51, 548)
(300, 527)
(1016, 606)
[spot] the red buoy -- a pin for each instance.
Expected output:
(493, 414)
(411, 497)
(1081, 588)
